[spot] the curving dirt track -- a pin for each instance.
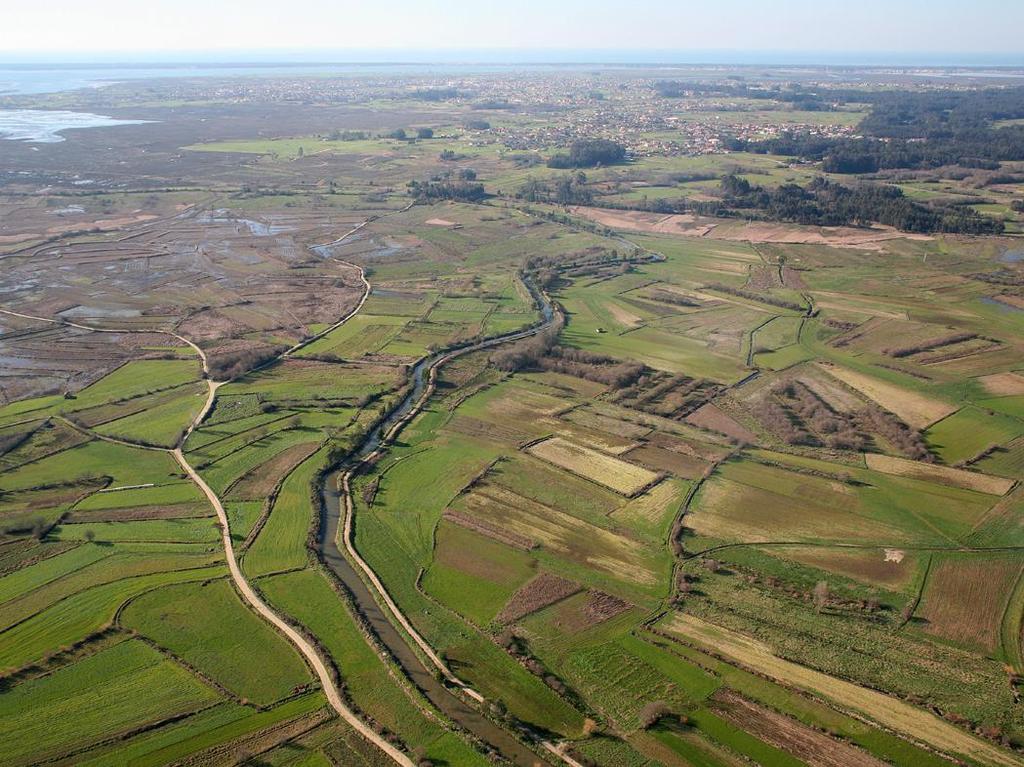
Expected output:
(245, 589)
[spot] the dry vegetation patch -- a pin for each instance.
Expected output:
(599, 440)
(598, 422)
(544, 590)
(494, 532)
(838, 236)
(1003, 384)
(661, 459)
(622, 315)
(639, 221)
(503, 512)
(830, 391)
(653, 506)
(601, 607)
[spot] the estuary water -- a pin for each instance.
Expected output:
(44, 126)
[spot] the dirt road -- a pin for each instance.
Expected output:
(244, 588)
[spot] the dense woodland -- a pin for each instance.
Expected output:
(589, 153)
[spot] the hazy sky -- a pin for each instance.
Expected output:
(908, 26)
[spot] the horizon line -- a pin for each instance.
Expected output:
(492, 55)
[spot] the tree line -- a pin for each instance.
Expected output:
(449, 187)
(570, 189)
(827, 203)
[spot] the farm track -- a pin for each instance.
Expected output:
(311, 655)
(860, 546)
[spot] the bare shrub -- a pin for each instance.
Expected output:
(652, 713)
(821, 595)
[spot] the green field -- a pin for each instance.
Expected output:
(207, 626)
(48, 716)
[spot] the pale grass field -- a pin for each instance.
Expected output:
(943, 475)
(918, 410)
(614, 473)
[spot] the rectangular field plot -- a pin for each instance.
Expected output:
(259, 482)
(890, 569)
(136, 378)
(124, 465)
(621, 476)
(942, 475)
(168, 494)
(564, 535)
(550, 486)
(296, 381)
(210, 627)
(1005, 461)
(58, 713)
(363, 334)
(164, 422)
(51, 568)
(753, 502)
(662, 459)
(652, 512)
(585, 416)
(603, 441)
(970, 431)
(188, 530)
(474, 575)
(514, 404)
(965, 597)
(221, 723)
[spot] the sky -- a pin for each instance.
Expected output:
(349, 30)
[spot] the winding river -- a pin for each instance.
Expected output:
(333, 509)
